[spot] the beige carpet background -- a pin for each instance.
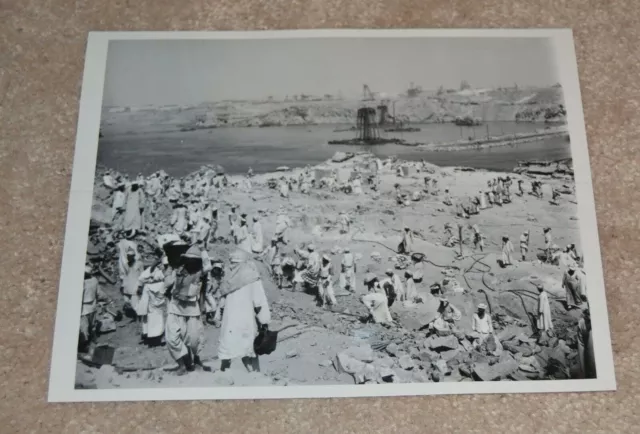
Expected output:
(41, 58)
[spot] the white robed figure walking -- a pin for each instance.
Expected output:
(544, 322)
(179, 219)
(282, 224)
(507, 251)
(133, 209)
(245, 300)
(483, 200)
(284, 189)
(243, 237)
(257, 238)
(152, 302)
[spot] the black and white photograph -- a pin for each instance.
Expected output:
(327, 214)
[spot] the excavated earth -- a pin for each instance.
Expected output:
(334, 345)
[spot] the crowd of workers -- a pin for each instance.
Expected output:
(184, 288)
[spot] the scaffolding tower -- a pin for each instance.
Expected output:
(367, 125)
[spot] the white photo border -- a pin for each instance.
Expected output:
(63, 359)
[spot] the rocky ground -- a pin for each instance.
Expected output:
(333, 345)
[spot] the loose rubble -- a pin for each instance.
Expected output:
(335, 344)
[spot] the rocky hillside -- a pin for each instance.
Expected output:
(334, 345)
(543, 105)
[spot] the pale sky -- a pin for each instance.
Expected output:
(190, 72)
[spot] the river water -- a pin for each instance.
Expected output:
(265, 149)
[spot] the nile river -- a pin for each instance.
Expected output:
(265, 149)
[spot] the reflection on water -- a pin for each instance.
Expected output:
(264, 149)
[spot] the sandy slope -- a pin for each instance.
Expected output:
(308, 358)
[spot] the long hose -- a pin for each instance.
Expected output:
(397, 253)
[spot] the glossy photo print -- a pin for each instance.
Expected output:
(330, 214)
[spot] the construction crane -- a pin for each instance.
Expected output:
(367, 95)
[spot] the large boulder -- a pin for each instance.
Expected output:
(392, 349)
(440, 344)
(339, 157)
(363, 353)
(448, 355)
(406, 362)
(497, 371)
(351, 366)
(101, 215)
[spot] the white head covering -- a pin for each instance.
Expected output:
(239, 256)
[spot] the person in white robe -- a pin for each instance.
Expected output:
(213, 303)
(270, 254)
(574, 283)
(213, 234)
(118, 206)
(396, 282)
(478, 238)
(154, 186)
(357, 185)
(211, 194)
(173, 192)
(572, 252)
(134, 208)
(482, 325)
(184, 331)
(124, 246)
(257, 238)
(91, 294)
(284, 188)
(193, 213)
(344, 222)
(483, 200)
(305, 187)
(498, 190)
(200, 232)
(445, 322)
(544, 323)
(406, 245)
(311, 273)
(548, 240)
(348, 271)
(152, 303)
(233, 222)
(325, 286)
(411, 291)
(507, 251)
(245, 301)
(377, 305)
(586, 355)
(565, 261)
(179, 221)
(447, 198)
(109, 181)
(246, 184)
(283, 223)
(206, 210)
(243, 237)
(130, 268)
(524, 245)
(401, 198)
